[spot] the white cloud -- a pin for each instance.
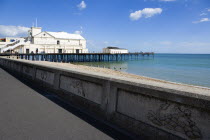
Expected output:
(13, 31)
(203, 14)
(208, 10)
(202, 20)
(78, 32)
(146, 13)
(167, 0)
(82, 5)
(136, 15)
(149, 12)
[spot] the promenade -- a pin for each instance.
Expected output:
(27, 114)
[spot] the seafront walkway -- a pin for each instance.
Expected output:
(26, 114)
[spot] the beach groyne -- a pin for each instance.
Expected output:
(155, 111)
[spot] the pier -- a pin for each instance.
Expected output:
(82, 57)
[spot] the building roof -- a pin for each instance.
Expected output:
(65, 35)
(112, 47)
(115, 48)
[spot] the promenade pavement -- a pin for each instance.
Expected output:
(25, 114)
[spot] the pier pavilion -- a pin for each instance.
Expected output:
(39, 41)
(114, 50)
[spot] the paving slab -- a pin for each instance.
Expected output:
(26, 114)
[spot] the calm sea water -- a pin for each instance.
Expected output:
(191, 69)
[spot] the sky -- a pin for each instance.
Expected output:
(160, 26)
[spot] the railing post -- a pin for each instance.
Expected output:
(32, 57)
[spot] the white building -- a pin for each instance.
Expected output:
(40, 41)
(8, 40)
(114, 50)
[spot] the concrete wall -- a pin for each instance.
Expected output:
(156, 112)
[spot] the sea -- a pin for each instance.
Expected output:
(193, 69)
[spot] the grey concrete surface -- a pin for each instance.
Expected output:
(25, 114)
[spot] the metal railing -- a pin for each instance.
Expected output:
(81, 57)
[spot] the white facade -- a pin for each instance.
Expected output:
(114, 50)
(8, 41)
(49, 42)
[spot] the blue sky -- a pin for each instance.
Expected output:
(162, 26)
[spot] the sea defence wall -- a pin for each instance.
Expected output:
(152, 111)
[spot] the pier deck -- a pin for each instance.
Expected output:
(83, 57)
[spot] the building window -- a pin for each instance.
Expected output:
(27, 51)
(58, 42)
(2, 40)
(59, 50)
(12, 40)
